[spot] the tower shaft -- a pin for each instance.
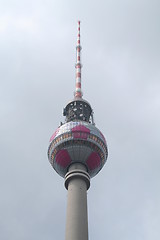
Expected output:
(77, 182)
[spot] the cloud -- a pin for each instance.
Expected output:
(14, 23)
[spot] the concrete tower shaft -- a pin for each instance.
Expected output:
(77, 182)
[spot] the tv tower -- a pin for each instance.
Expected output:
(77, 152)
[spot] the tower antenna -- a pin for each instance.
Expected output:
(78, 66)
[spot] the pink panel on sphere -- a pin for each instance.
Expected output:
(80, 132)
(93, 161)
(54, 134)
(62, 158)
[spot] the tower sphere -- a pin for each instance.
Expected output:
(77, 142)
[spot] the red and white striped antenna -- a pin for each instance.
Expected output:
(78, 66)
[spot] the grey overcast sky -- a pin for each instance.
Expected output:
(120, 78)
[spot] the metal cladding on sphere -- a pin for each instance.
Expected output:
(77, 142)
